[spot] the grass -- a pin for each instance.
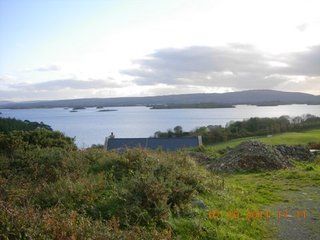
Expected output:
(292, 138)
(247, 194)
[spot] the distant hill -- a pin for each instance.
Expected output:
(5, 102)
(254, 97)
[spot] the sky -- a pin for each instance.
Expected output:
(64, 49)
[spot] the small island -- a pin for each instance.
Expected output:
(190, 105)
(272, 104)
(78, 108)
(107, 110)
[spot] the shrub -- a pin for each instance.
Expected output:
(40, 164)
(51, 190)
(134, 192)
(148, 186)
(62, 223)
(11, 124)
(39, 138)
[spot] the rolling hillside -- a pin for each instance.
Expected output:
(256, 97)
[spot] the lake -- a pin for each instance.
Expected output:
(91, 127)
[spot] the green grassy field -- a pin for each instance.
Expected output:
(292, 138)
(253, 193)
(247, 193)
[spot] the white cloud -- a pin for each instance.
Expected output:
(48, 68)
(6, 78)
(302, 27)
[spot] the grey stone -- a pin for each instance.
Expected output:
(251, 156)
(199, 203)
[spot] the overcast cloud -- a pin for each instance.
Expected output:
(65, 84)
(48, 68)
(236, 66)
(64, 88)
(186, 70)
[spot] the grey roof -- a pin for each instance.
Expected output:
(153, 143)
(115, 143)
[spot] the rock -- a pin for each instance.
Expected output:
(298, 153)
(201, 158)
(251, 156)
(199, 203)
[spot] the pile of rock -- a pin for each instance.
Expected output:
(200, 157)
(251, 156)
(299, 153)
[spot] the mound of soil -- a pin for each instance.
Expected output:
(251, 156)
(200, 158)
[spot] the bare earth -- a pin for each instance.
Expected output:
(293, 226)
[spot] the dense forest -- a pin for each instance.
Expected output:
(247, 128)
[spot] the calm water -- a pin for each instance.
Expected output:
(91, 127)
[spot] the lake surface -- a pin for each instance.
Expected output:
(91, 127)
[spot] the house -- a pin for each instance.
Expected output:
(169, 144)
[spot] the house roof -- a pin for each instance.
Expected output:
(153, 143)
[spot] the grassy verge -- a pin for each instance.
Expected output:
(251, 193)
(292, 138)
(248, 195)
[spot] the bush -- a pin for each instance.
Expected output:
(61, 223)
(109, 195)
(39, 138)
(40, 164)
(145, 187)
(11, 124)
(51, 190)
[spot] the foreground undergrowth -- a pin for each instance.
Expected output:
(51, 190)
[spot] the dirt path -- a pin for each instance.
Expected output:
(303, 219)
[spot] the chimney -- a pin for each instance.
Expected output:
(106, 143)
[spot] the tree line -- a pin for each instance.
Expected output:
(11, 124)
(17, 134)
(247, 128)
